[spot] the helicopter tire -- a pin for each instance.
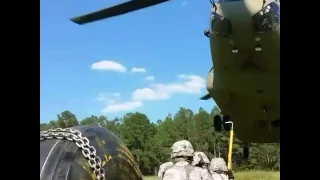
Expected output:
(63, 159)
(245, 153)
(217, 123)
(226, 126)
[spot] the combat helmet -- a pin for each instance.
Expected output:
(218, 165)
(182, 148)
(198, 155)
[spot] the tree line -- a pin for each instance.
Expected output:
(150, 142)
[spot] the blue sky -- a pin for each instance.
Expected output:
(99, 68)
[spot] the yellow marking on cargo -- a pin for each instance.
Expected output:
(127, 153)
(86, 168)
(131, 164)
(106, 157)
(129, 157)
(103, 163)
(91, 174)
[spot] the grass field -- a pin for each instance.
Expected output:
(250, 175)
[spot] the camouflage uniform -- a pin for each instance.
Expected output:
(162, 169)
(182, 153)
(218, 169)
(199, 159)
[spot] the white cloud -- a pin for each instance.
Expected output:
(108, 97)
(148, 94)
(106, 65)
(185, 84)
(150, 78)
(189, 84)
(112, 102)
(122, 106)
(138, 70)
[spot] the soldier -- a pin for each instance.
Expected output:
(163, 168)
(182, 153)
(201, 160)
(219, 169)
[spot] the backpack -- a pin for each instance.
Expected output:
(165, 169)
(188, 168)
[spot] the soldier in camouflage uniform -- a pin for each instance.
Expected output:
(201, 160)
(162, 169)
(182, 153)
(219, 169)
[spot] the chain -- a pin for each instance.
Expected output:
(89, 152)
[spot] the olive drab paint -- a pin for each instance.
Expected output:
(244, 39)
(245, 84)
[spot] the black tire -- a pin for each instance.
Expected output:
(226, 126)
(217, 123)
(63, 160)
(245, 153)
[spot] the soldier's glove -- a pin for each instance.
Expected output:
(230, 174)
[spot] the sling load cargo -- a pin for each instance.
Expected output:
(85, 153)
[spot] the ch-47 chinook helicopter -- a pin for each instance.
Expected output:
(245, 79)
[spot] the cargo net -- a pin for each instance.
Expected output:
(89, 152)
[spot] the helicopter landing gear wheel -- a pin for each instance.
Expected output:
(226, 126)
(245, 152)
(217, 123)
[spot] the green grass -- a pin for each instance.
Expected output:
(248, 175)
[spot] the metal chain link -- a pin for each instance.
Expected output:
(89, 152)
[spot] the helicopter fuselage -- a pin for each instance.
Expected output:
(245, 46)
(245, 78)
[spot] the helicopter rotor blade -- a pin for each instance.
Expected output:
(116, 10)
(206, 97)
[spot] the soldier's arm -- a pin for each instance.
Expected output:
(230, 174)
(160, 174)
